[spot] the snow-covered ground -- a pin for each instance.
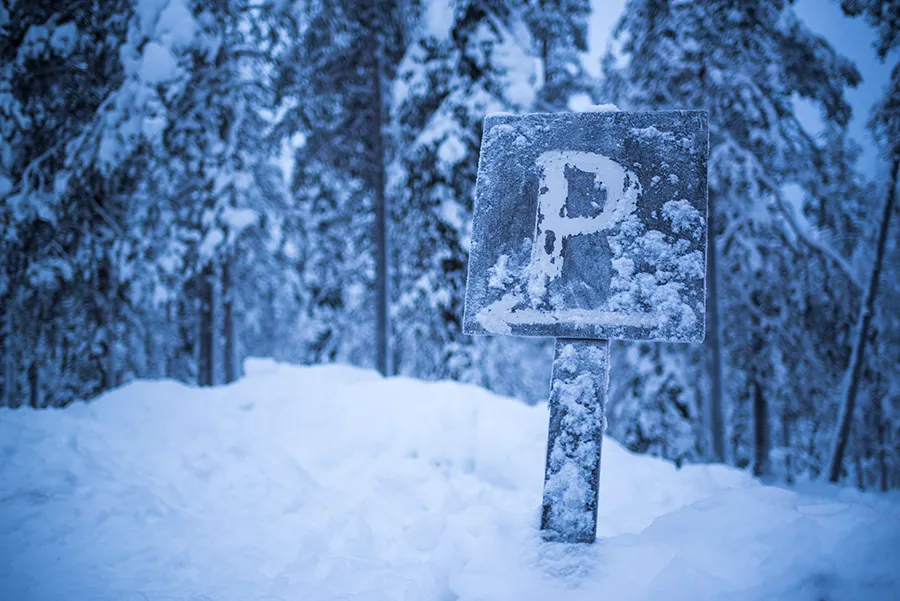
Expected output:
(332, 483)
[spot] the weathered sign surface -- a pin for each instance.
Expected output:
(590, 225)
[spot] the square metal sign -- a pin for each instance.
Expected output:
(590, 225)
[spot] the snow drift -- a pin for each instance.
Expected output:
(332, 483)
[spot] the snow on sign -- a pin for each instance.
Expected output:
(587, 227)
(590, 225)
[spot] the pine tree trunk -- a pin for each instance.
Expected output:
(34, 384)
(382, 280)
(760, 431)
(860, 472)
(715, 408)
(108, 320)
(155, 367)
(173, 317)
(228, 325)
(9, 362)
(183, 359)
(271, 349)
(715, 412)
(206, 359)
(857, 356)
(787, 423)
(881, 449)
(757, 377)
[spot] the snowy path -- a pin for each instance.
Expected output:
(329, 483)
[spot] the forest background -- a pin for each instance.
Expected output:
(186, 184)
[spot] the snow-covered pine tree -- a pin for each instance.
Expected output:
(884, 359)
(875, 432)
(746, 62)
(655, 410)
(465, 62)
(220, 175)
(327, 83)
(559, 35)
(139, 165)
(60, 214)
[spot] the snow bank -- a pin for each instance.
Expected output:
(332, 483)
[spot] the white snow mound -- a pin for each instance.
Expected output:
(601, 108)
(331, 483)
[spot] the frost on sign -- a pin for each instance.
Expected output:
(590, 225)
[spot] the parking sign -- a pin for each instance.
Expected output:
(590, 225)
(587, 227)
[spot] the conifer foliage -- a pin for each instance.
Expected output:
(783, 289)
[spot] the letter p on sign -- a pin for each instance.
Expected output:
(554, 224)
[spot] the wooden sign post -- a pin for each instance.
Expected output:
(588, 227)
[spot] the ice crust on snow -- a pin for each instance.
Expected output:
(599, 220)
(329, 482)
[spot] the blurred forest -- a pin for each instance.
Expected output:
(184, 184)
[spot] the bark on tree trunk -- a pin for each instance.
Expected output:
(206, 360)
(108, 319)
(760, 431)
(860, 472)
(857, 356)
(715, 408)
(9, 363)
(228, 325)
(715, 413)
(786, 424)
(382, 280)
(173, 316)
(155, 367)
(34, 384)
(758, 375)
(880, 428)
